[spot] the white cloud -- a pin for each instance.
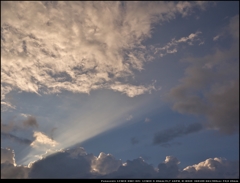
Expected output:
(171, 47)
(78, 46)
(42, 140)
(212, 168)
(131, 90)
(216, 38)
(105, 164)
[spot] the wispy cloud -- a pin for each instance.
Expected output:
(87, 53)
(16, 139)
(164, 136)
(172, 46)
(216, 37)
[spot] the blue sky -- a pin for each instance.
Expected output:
(123, 88)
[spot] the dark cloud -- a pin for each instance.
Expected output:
(167, 135)
(169, 168)
(8, 168)
(9, 171)
(224, 113)
(68, 164)
(51, 133)
(7, 156)
(30, 122)
(15, 138)
(13, 126)
(211, 86)
(8, 129)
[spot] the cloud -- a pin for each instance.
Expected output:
(5, 128)
(78, 46)
(42, 140)
(131, 90)
(167, 135)
(77, 163)
(30, 122)
(171, 47)
(63, 164)
(51, 133)
(9, 169)
(136, 168)
(211, 86)
(7, 156)
(216, 38)
(15, 138)
(5, 104)
(16, 126)
(212, 168)
(8, 129)
(105, 164)
(169, 168)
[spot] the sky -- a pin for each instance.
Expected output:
(124, 89)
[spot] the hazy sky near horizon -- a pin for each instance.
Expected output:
(119, 89)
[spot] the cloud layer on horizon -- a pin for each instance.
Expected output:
(76, 163)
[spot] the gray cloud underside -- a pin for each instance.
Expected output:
(211, 86)
(76, 163)
(30, 122)
(167, 135)
(79, 46)
(15, 138)
(7, 129)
